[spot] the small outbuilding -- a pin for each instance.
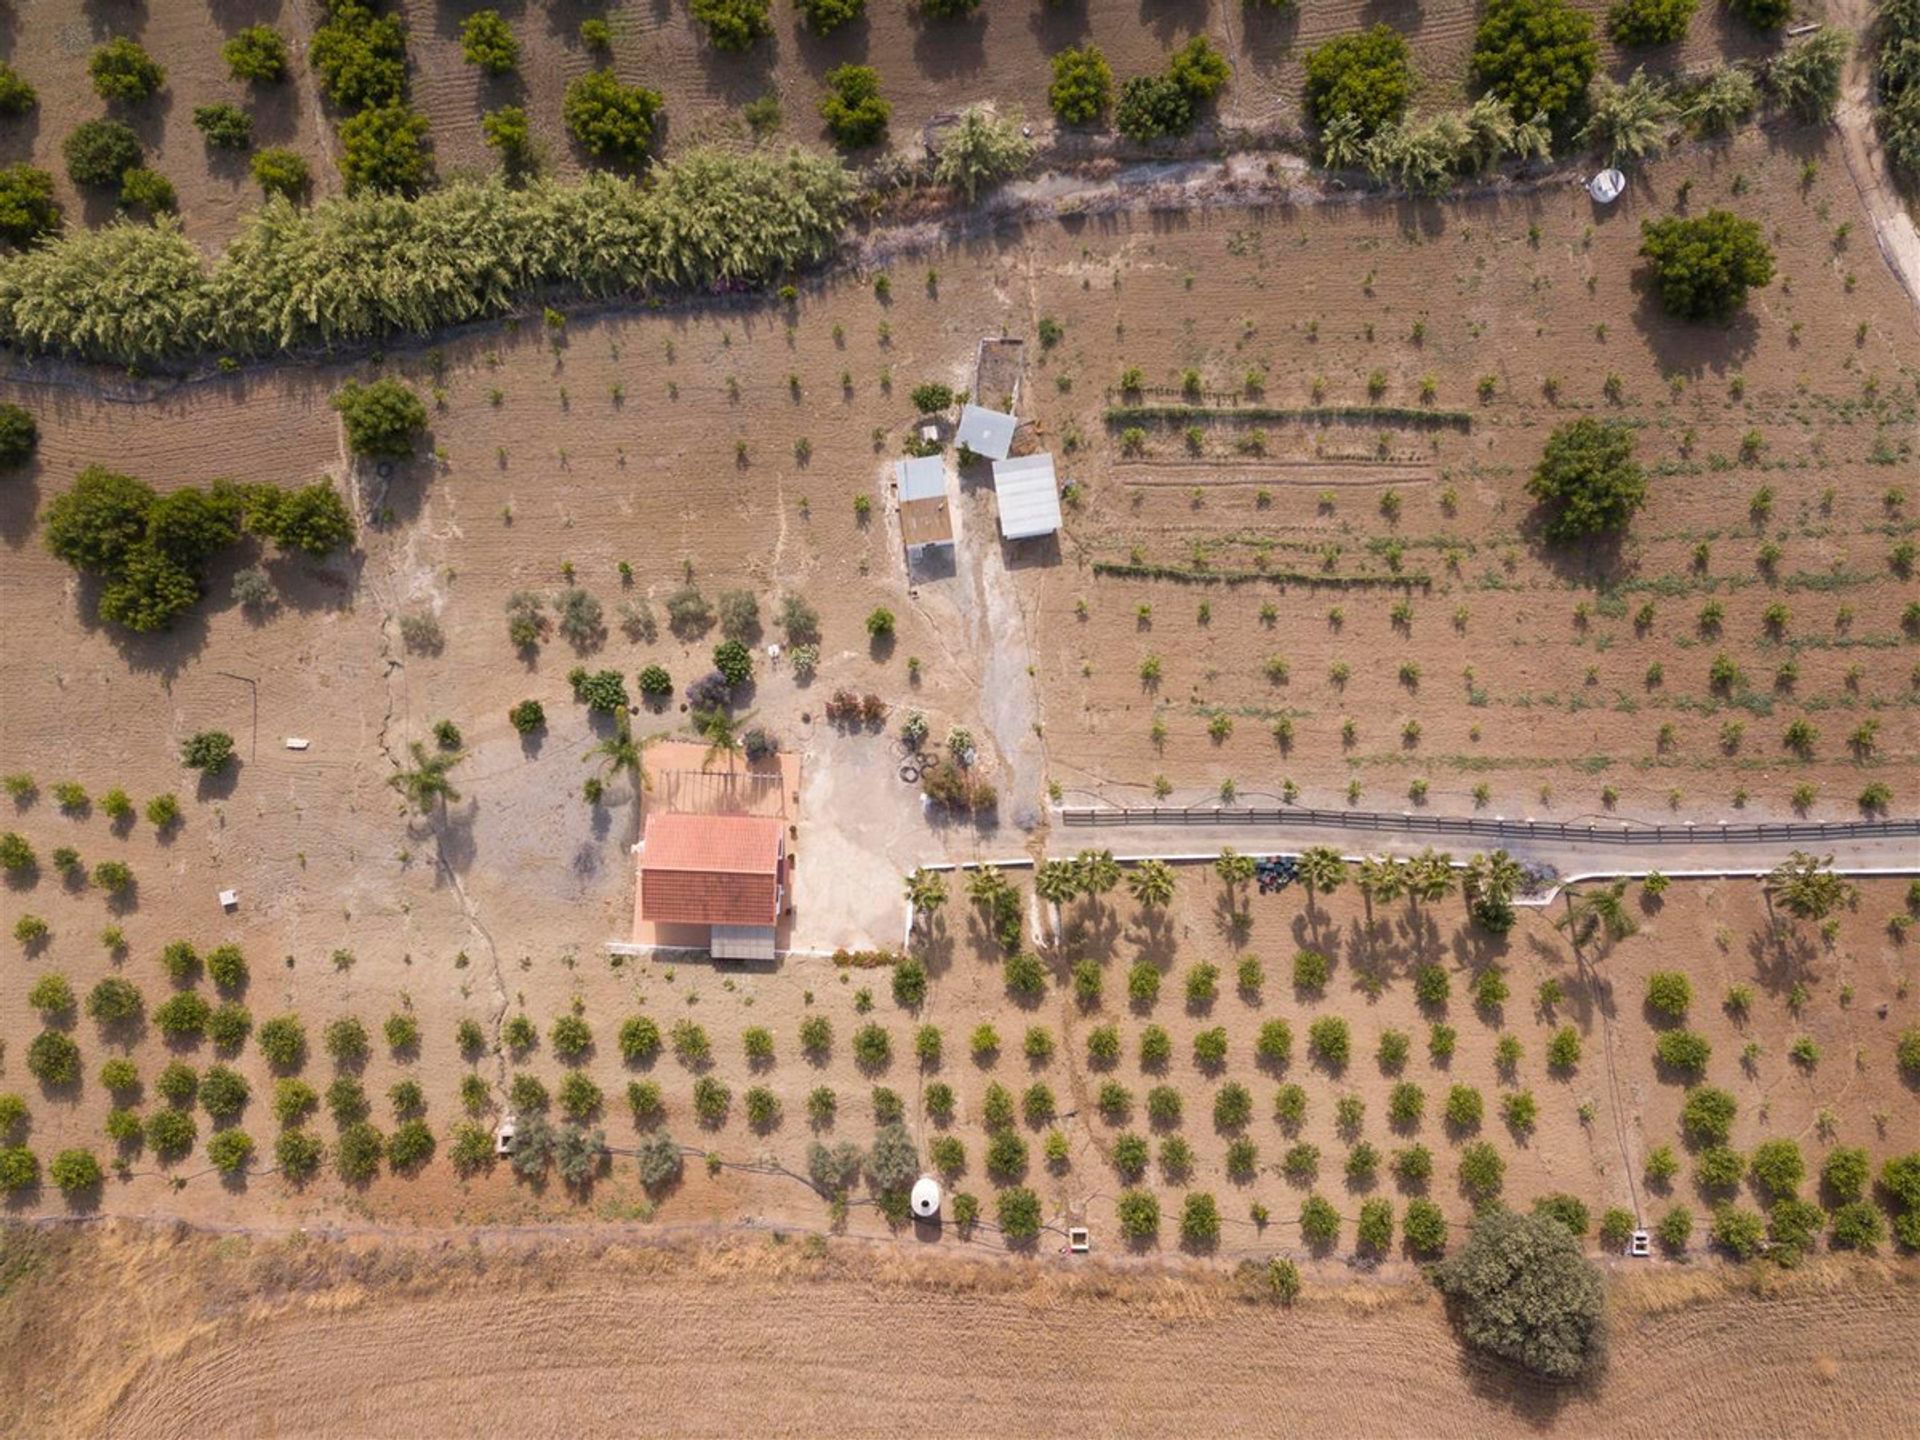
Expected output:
(986, 433)
(925, 520)
(1029, 496)
(724, 874)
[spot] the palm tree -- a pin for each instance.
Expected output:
(427, 783)
(1495, 877)
(1056, 881)
(984, 884)
(1232, 867)
(1321, 870)
(618, 751)
(1430, 876)
(1381, 878)
(1604, 909)
(1152, 883)
(1099, 872)
(1808, 887)
(926, 893)
(721, 730)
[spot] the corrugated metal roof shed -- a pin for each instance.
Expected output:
(923, 477)
(1029, 498)
(987, 433)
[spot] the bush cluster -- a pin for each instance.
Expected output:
(27, 207)
(1537, 55)
(1366, 75)
(611, 121)
(855, 113)
(151, 550)
(1703, 265)
(1152, 106)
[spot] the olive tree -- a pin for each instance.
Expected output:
(1521, 1289)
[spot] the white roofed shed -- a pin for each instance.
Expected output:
(987, 433)
(1029, 496)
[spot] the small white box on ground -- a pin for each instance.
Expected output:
(229, 899)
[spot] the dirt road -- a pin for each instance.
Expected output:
(1893, 225)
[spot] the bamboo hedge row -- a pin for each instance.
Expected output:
(367, 266)
(1309, 415)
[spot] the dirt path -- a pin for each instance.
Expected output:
(1893, 225)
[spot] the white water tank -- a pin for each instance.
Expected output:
(1607, 186)
(926, 1197)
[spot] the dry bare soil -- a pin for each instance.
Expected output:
(192, 1335)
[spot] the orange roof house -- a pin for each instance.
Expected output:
(724, 874)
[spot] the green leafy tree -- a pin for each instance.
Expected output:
(1704, 265)
(823, 17)
(734, 24)
(1523, 1291)
(383, 417)
(1537, 55)
(360, 56)
(27, 212)
(1366, 75)
(1082, 88)
(100, 152)
(853, 108)
(611, 121)
(1650, 22)
(1587, 479)
(383, 150)
(123, 70)
(280, 171)
(488, 41)
(257, 53)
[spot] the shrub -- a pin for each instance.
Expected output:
(27, 211)
(51, 995)
(1707, 1114)
(53, 1058)
(1704, 265)
(981, 151)
(1025, 975)
(1684, 1050)
(1844, 1173)
(1720, 1167)
(1018, 1214)
(1138, 1213)
(734, 24)
(872, 1047)
(1587, 479)
(100, 152)
(280, 171)
(171, 1133)
(611, 121)
(1536, 55)
(283, 1040)
(1274, 1047)
(358, 1152)
(122, 70)
(1152, 106)
(602, 691)
(1650, 22)
(257, 52)
(1482, 1172)
(855, 113)
(1858, 1226)
(226, 127)
(1310, 971)
(1778, 1167)
(298, 1153)
(223, 1092)
(823, 17)
(1365, 75)
(1525, 1293)
(114, 1001)
(1082, 88)
(486, 40)
(1330, 1041)
(360, 57)
(183, 1016)
(1425, 1228)
(382, 151)
(1319, 1223)
(17, 97)
(382, 418)
(75, 1171)
(1762, 14)
(1200, 1221)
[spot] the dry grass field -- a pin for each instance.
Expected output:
(197, 1335)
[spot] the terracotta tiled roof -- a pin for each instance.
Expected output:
(711, 869)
